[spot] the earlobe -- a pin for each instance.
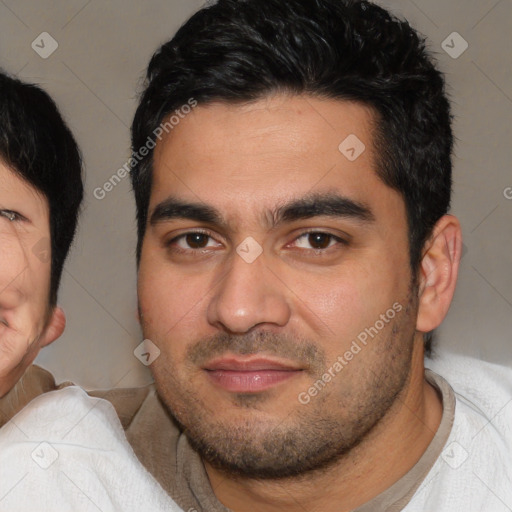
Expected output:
(438, 273)
(54, 328)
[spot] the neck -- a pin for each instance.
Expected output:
(389, 451)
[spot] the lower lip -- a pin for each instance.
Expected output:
(250, 381)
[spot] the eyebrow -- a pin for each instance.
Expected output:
(328, 204)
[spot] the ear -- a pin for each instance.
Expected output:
(438, 273)
(54, 328)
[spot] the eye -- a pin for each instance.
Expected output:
(192, 241)
(318, 240)
(199, 241)
(12, 216)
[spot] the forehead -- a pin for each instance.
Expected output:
(244, 159)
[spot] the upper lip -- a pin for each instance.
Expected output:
(246, 365)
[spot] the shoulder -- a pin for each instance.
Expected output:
(76, 439)
(57, 414)
(483, 390)
(482, 427)
(37, 381)
(482, 383)
(32, 384)
(475, 466)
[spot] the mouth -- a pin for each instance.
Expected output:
(249, 375)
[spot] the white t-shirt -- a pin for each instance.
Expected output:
(474, 471)
(68, 452)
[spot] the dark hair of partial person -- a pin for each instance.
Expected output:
(243, 50)
(37, 145)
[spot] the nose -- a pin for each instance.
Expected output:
(248, 294)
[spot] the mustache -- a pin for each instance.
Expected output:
(294, 348)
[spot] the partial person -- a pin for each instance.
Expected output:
(65, 450)
(295, 250)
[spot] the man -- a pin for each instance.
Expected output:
(294, 252)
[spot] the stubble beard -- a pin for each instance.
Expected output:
(314, 437)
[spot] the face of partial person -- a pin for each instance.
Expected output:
(25, 266)
(275, 280)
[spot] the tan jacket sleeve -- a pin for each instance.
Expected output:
(36, 381)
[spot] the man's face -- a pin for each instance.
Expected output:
(24, 256)
(252, 307)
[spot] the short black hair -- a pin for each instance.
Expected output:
(37, 145)
(243, 50)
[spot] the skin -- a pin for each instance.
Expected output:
(299, 302)
(27, 322)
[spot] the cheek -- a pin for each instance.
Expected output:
(12, 266)
(171, 302)
(339, 306)
(41, 257)
(331, 303)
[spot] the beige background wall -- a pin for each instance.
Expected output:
(103, 49)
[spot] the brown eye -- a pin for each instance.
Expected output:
(8, 214)
(318, 240)
(196, 240)
(193, 242)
